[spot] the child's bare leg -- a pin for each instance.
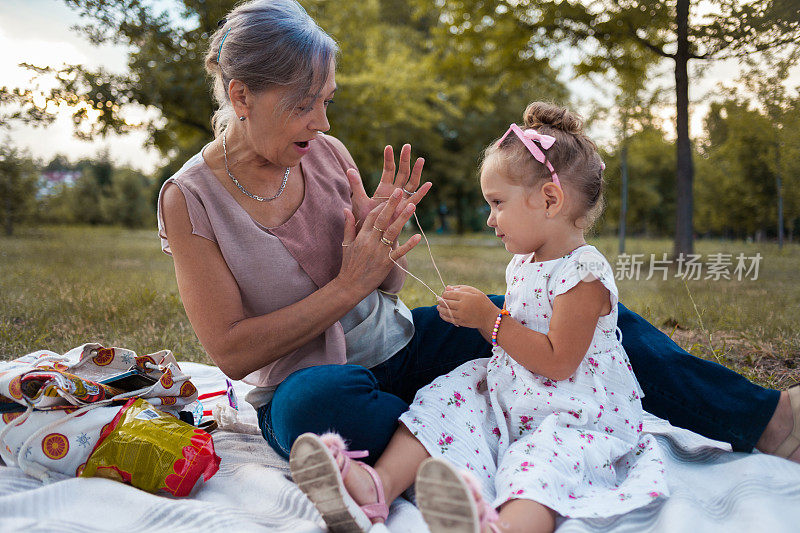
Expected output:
(396, 467)
(526, 516)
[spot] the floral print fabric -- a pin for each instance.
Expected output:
(575, 445)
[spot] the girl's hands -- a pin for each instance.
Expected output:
(368, 253)
(406, 178)
(463, 305)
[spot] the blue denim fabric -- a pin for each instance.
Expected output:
(363, 405)
(693, 393)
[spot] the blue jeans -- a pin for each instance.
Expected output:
(363, 405)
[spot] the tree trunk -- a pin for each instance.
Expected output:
(460, 211)
(779, 189)
(9, 219)
(623, 211)
(684, 239)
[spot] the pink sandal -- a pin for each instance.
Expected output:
(451, 500)
(314, 462)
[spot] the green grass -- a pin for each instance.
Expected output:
(61, 287)
(751, 326)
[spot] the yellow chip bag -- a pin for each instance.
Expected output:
(152, 450)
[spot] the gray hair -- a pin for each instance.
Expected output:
(267, 44)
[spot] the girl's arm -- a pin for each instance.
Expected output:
(555, 355)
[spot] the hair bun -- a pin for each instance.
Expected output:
(544, 114)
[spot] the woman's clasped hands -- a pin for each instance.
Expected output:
(404, 179)
(369, 246)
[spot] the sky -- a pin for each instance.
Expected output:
(39, 32)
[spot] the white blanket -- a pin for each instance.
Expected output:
(712, 490)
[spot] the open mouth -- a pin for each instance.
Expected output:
(302, 144)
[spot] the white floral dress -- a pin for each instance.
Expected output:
(575, 445)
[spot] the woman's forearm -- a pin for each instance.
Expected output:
(252, 343)
(239, 344)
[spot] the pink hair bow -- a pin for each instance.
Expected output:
(545, 140)
(528, 137)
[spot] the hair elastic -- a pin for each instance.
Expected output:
(219, 53)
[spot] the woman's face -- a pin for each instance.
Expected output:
(284, 138)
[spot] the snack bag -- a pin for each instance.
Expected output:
(152, 450)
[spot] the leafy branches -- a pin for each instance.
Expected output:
(165, 77)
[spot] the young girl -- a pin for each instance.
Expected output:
(551, 424)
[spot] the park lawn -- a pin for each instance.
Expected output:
(63, 286)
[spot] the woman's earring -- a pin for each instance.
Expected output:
(242, 118)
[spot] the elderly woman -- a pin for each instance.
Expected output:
(288, 270)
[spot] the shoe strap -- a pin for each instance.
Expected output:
(792, 442)
(347, 454)
(375, 510)
(378, 509)
(487, 515)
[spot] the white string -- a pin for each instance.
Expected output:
(430, 253)
(444, 285)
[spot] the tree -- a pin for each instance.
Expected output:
(748, 176)
(670, 29)
(651, 163)
(381, 70)
(404, 75)
(766, 84)
(728, 28)
(493, 71)
(18, 181)
(632, 112)
(127, 202)
(165, 74)
(101, 195)
(735, 186)
(390, 88)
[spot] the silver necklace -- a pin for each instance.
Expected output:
(245, 191)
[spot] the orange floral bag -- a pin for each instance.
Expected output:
(63, 416)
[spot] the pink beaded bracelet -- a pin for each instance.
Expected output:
(497, 326)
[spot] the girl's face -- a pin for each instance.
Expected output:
(515, 215)
(284, 138)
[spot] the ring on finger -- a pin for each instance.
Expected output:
(386, 241)
(377, 228)
(410, 193)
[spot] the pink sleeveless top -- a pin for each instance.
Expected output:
(276, 267)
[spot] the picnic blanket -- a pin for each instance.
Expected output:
(712, 490)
